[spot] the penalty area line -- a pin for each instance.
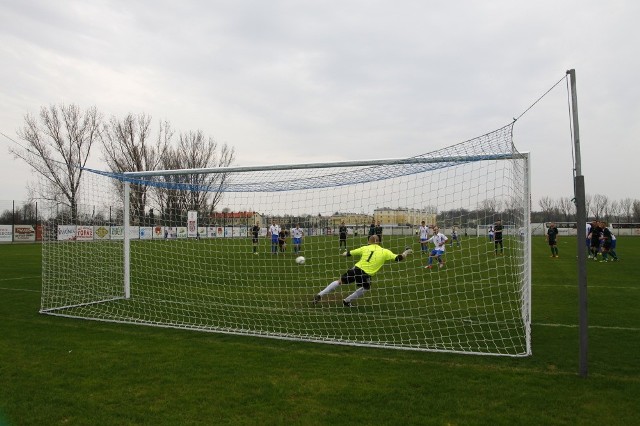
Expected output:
(19, 289)
(600, 327)
(21, 278)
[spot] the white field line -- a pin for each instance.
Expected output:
(599, 327)
(533, 323)
(590, 287)
(18, 279)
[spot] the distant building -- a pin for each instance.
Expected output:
(403, 216)
(350, 219)
(236, 218)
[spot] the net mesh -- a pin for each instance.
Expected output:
(204, 271)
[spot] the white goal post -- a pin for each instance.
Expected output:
(124, 254)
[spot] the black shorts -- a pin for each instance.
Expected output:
(595, 243)
(255, 241)
(357, 275)
(552, 242)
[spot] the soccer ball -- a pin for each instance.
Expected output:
(300, 260)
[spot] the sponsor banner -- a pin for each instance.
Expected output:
(117, 232)
(134, 232)
(202, 232)
(101, 232)
(39, 232)
(84, 233)
(220, 231)
(211, 232)
(66, 232)
(146, 232)
(24, 233)
(158, 232)
(6, 233)
(171, 232)
(181, 232)
(192, 224)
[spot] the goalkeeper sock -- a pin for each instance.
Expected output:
(353, 296)
(330, 288)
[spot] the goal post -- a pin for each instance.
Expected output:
(126, 261)
(128, 255)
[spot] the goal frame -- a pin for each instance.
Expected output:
(520, 215)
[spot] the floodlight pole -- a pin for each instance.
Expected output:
(581, 216)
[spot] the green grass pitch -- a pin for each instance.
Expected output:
(65, 371)
(471, 305)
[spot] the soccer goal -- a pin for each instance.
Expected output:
(193, 249)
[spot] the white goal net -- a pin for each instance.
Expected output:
(193, 249)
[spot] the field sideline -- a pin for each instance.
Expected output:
(73, 372)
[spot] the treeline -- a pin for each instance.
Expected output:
(58, 142)
(559, 210)
(600, 207)
(562, 209)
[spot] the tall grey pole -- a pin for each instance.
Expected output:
(581, 215)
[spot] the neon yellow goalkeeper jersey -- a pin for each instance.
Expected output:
(372, 257)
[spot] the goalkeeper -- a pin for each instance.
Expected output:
(372, 258)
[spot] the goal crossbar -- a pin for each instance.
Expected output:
(326, 165)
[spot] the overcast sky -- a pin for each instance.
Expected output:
(309, 81)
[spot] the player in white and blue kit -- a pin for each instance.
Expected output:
(612, 249)
(439, 240)
(587, 240)
(423, 237)
(608, 246)
(297, 233)
(274, 230)
(454, 237)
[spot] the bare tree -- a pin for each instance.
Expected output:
(24, 214)
(567, 208)
(549, 208)
(201, 192)
(613, 211)
(599, 206)
(128, 146)
(58, 147)
(636, 210)
(626, 208)
(488, 211)
(202, 152)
